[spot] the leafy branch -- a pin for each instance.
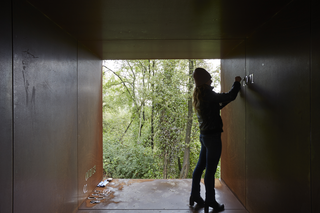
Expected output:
(123, 82)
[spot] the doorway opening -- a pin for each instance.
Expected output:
(149, 129)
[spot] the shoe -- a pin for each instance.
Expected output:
(215, 205)
(198, 200)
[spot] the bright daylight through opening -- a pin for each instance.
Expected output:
(150, 130)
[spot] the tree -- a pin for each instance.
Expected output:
(186, 162)
(148, 120)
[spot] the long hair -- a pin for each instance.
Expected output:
(198, 95)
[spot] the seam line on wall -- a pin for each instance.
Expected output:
(310, 104)
(245, 125)
(45, 15)
(12, 112)
(77, 180)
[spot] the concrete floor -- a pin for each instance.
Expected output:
(154, 196)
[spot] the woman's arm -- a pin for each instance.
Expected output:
(224, 104)
(224, 98)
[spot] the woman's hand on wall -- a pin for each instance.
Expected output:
(238, 78)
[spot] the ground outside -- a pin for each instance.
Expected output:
(154, 196)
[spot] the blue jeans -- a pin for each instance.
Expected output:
(208, 159)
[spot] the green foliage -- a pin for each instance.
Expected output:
(144, 118)
(126, 161)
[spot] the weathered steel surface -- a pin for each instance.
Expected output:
(5, 107)
(315, 107)
(281, 109)
(233, 116)
(277, 115)
(89, 122)
(45, 114)
(159, 29)
(153, 195)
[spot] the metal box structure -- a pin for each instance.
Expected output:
(51, 54)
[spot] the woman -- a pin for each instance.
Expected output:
(207, 105)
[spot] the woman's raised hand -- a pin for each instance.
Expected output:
(238, 78)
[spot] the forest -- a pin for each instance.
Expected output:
(150, 130)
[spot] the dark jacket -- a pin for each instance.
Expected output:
(208, 112)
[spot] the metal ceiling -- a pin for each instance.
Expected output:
(160, 29)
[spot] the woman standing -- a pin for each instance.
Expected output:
(207, 105)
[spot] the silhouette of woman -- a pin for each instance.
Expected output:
(207, 105)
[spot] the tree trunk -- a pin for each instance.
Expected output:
(179, 164)
(186, 158)
(140, 123)
(152, 107)
(165, 165)
(143, 115)
(120, 140)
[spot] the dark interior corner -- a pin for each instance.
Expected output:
(51, 55)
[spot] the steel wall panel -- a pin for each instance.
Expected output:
(233, 116)
(45, 115)
(185, 29)
(315, 106)
(89, 122)
(6, 107)
(277, 114)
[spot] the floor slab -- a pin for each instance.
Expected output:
(153, 196)
(158, 211)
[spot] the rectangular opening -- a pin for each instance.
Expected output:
(146, 107)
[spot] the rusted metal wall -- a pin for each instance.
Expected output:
(277, 115)
(233, 149)
(315, 106)
(5, 107)
(45, 114)
(51, 121)
(89, 123)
